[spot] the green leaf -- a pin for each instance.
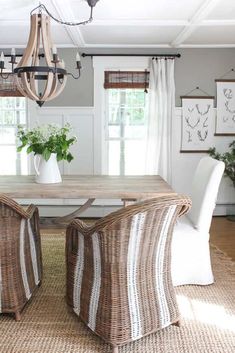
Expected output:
(228, 158)
(71, 141)
(69, 157)
(47, 139)
(64, 145)
(46, 154)
(29, 149)
(59, 157)
(19, 149)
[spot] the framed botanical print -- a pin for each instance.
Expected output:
(197, 123)
(225, 119)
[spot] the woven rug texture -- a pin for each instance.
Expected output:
(47, 326)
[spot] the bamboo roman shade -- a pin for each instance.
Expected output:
(8, 87)
(126, 79)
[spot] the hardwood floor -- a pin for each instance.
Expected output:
(222, 233)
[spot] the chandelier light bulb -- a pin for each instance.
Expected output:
(78, 57)
(54, 49)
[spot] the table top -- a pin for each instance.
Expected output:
(86, 186)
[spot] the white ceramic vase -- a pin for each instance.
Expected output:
(47, 172)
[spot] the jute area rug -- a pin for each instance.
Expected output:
(47, 326)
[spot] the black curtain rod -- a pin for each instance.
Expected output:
(153, 55)
(20, 55)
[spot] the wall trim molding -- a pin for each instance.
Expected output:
(44, 110)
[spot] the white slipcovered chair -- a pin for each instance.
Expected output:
(191, 262)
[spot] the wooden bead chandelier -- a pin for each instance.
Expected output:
(42, 82)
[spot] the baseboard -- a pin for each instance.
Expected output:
(224, 210)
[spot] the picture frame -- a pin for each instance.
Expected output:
(225, 117)
(198, 120)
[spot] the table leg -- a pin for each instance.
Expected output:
(76, 213)
(87, 204)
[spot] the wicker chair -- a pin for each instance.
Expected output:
(20, 255)
(118, 270)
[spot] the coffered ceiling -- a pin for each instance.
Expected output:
(126, 23)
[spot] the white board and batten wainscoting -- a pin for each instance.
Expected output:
(88, 150)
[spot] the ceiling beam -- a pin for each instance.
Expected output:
(22, 46)
(142, 23)
(131, 46)
(218, 23)
(65, 13)
(124, 22)
(203, 11)
(204, 46)
(128, 46)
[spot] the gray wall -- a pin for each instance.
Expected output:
(196, 67)
(200, 67)
(77, 92)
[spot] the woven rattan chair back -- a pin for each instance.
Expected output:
(118, 271)
(20, 255)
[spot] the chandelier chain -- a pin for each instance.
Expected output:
(43, 7)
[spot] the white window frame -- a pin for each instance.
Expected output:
(27, 124)
(100, 65)
(120, 138)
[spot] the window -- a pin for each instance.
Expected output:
(12, 113)
(126, 129)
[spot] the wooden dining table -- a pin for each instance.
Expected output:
(90, 187)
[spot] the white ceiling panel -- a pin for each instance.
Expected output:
(125, 35)
(137, 9)
(224, 10)
(117, 23)
(19, 9)
(213, 35)
(15, 9)
(18, 36)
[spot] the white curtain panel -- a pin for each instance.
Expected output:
(161, 112)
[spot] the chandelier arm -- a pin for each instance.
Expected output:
(42, 6)
(4, 75)
(73, 76)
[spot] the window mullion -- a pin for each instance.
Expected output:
(18, 155)
(122, 131)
